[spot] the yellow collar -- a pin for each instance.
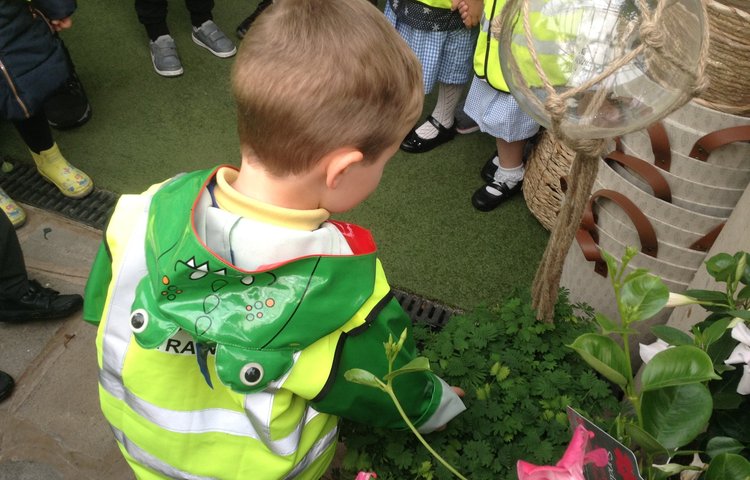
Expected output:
(233, 201)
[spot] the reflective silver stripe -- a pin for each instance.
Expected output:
(117, 332)
(484, 24)
(145, 458)
(258, 408)
(317, 449)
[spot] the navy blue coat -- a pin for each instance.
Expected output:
(32, 60)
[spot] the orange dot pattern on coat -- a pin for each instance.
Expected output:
(270, 302)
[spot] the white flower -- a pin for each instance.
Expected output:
(647, 352)
(677, 299)
(741, 354)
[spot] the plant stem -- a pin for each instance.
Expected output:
(419, 436)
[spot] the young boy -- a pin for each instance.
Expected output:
(225, 335)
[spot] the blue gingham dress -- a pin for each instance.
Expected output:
(498, 113)
(446, 56)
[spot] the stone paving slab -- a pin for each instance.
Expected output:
(51, 427)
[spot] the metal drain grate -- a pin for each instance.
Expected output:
(24, 184)
(421, 310)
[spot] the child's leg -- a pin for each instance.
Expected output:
(448, 98)
(200, 11)
(35, 132)
(153, 16)
(51, 164)
(507, 178)
(242, 27)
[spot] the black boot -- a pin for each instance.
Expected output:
(39, 303)
(242, 28)
(6, 385)
(68, 106)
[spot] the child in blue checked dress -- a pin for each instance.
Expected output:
(444, 45)
(490, 104)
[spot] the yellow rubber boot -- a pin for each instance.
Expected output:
(15, 213)
(52, 165)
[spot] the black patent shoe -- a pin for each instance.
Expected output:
(242, 27)
(6, 385)
(489, 169)
(413, 143)
(490, 196)
(39, 303)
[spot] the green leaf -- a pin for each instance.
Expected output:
(745, 278)
(608, 326)
(677, 366)
(744, 294)
(676, 415)
(604, 355)
(645, 440)
(743, 314)
(419, 364)
(671, 335)
(710, 296)
(611, 264)
(721, 267)
(362, 377)
(728, 466)
(644, 295)
(715, 331)
(634, 274)
(718, 445)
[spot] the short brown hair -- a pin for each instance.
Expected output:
(312, 76)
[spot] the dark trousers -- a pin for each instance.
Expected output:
(35, 132)
(14, 282)
(153, 14)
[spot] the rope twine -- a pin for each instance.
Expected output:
(654, 46)
(728, 68)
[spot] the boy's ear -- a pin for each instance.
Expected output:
(339, 162)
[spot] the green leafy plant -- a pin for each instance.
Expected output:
(519, 377)
(419, 364)
(667, 414)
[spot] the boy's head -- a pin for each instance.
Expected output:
(313, 76)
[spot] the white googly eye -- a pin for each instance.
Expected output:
(251, 374)
(139, 320)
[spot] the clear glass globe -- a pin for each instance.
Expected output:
(576, 42)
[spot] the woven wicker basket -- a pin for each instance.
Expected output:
(549, 160)
(728, 67)
(741, 4)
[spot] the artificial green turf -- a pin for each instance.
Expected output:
(146, 128)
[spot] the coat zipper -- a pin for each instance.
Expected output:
(13, 89)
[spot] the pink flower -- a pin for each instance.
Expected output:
(570, 466)
(366, 475)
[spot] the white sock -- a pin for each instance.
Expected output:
(448, 98)
(510, 176)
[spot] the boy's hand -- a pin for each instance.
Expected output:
(460, 392)
(62, 23)
(471, 12)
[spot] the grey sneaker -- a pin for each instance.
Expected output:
(164, 56)
(212, 39)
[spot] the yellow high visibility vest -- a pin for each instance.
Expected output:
(487, 52)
